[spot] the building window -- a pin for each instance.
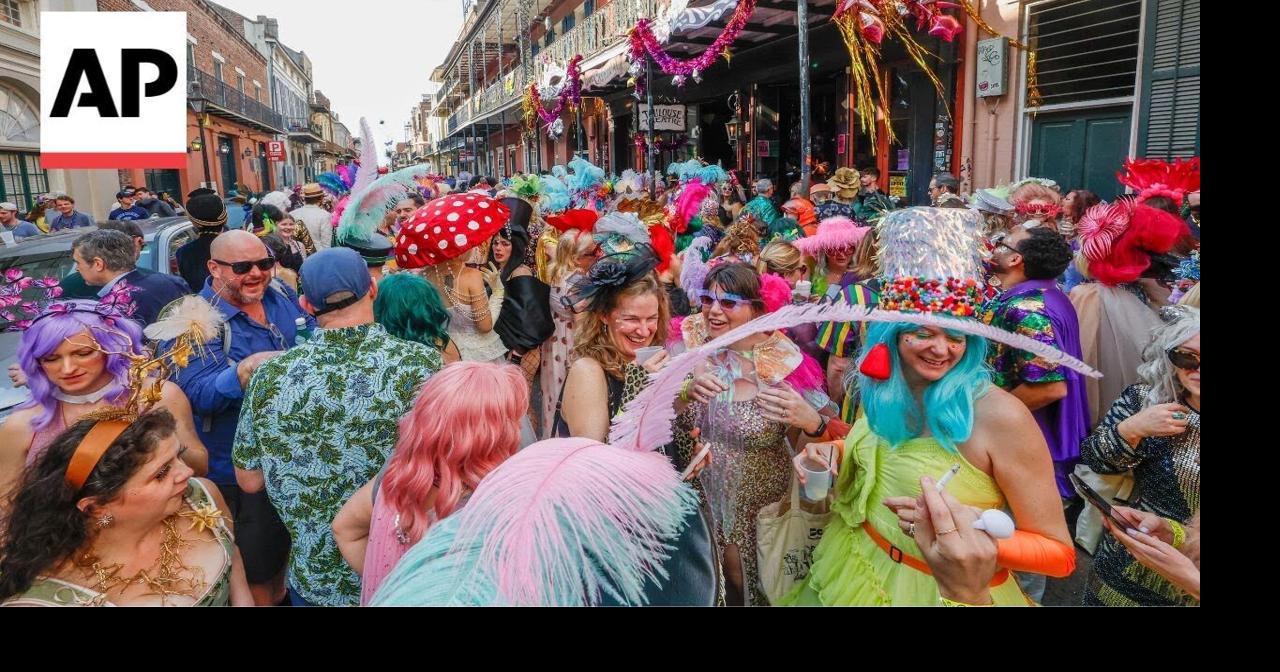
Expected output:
(11, 12)
(566, 24)
(240, 83)
(588, 8)
(191, 55)
(21, 178)
(217, 70)
(257, 93)
(19, 120)
(1085, 55)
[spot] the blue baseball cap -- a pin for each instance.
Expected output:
(335, 278)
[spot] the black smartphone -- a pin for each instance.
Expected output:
(1097, 501)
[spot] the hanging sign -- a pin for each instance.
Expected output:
(665, 118)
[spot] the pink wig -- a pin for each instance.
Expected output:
(465, 422)
(834, 233)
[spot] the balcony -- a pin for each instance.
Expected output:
(605, 27)
(302, 130)
(224, 101)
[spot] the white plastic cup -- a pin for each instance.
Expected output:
(801, 293)
(817, 481)
(645, 354)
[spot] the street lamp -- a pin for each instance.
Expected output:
(733, 128)
(198, 107)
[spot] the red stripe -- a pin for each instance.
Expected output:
(80, 160)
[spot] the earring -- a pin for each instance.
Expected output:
(106, 520)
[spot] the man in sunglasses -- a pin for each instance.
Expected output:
(1027, 263)
(260, 324)
(107, 258)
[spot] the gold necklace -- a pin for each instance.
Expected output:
(167, 577)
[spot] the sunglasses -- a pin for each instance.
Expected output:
(727, 301)
(1184, 359)
(242, 267)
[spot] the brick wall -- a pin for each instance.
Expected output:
(212, 33)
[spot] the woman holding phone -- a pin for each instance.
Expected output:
(1153, 429)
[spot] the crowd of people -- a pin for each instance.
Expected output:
(396, 388)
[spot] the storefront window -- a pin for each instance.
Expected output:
(21, 178)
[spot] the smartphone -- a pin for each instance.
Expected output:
(1097, 501)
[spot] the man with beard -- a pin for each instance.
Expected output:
(261, 322)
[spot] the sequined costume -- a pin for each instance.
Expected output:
(1166, 474)
(752, 456)
(1038, 309)
(762, 209)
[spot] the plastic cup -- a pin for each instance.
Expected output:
(645, 354)
(817, 481)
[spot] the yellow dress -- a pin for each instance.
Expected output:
(849, 569)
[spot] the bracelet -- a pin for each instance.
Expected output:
(685, 387)
(822, 428)
(1179, 533)
(953, 603)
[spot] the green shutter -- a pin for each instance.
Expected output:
(1169, 120)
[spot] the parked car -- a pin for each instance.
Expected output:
(49, 256)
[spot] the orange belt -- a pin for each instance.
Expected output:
(913, 562)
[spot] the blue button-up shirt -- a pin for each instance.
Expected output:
(210, 381)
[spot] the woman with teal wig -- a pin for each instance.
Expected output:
(410, 309)
(928, 409)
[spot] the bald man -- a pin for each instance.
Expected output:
(260, 324)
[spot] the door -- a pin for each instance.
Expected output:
(161, 180)
(265, 166)
(227, 163)
(1081, 150)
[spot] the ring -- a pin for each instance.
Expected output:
(942, 532)
(1179, 415)
(911, 530)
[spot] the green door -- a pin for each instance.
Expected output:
(1081, 150)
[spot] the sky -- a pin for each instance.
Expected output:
(371, 58)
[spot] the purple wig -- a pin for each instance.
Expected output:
(47, 334)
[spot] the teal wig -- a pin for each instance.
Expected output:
(409, 308)
(893, 412)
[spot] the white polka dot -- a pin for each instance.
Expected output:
(453, 217)
(438, 212)
(420, 228)
(435, 230)
(470, 211)
(483, 204)
(471, 197)
(444, 244)
(413, 249)
(459, 240)
(473, 225)
(488, 220)
(453, 229)
(458, 204)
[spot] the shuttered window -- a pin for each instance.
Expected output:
(1086, 49)
(1170, 119)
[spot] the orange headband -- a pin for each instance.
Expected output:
(91, 448)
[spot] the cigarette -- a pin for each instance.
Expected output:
(694, 462)
(946, 478)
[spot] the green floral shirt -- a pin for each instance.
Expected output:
(319, 421)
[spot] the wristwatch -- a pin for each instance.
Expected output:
(822, 428)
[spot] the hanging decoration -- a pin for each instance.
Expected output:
(864, 24)
(643, 41)
(564, 85)
(680, 18)
(676, 143)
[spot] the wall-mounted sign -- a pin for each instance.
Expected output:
(992, 55)
(275, 150)
(840, 140)
(665, 118)
(763, 148)
(898, 185)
